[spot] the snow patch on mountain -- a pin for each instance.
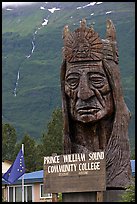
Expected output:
(90, 4)
(45, 22)
(107, 12)
(52, 10)
(99, 2)
(9, 9)
(42, 8)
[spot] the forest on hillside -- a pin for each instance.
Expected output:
(32, 55)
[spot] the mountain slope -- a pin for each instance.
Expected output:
(31, 57)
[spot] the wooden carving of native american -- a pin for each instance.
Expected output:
(95, 115)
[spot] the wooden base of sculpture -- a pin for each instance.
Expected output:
(107, 196)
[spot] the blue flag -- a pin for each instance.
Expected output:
(16, 170)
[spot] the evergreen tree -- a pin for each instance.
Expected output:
(30, 152)
(133, 154)
(39, 157)
(9, 139)
(52, 140)
(129, 194)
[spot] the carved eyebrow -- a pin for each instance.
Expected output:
(97, 73)
(74, 74)
(84, 66)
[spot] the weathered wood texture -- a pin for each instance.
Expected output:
(95, 114)
(79, 197)
(107, 196)
(54, 197)
(100, 196)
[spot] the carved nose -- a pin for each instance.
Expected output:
(84, 91)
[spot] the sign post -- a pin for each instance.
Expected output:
(99, 196)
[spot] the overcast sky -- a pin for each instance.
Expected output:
(5, 4)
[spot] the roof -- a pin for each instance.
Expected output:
(37, 176)
(33, 177)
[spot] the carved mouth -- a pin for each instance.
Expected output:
(87, 110)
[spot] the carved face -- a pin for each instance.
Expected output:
(89, 92)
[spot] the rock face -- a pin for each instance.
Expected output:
(95, 115)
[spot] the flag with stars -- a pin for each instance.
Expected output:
(16, 170)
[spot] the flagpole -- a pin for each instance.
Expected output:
(23, 178)
(8, 193)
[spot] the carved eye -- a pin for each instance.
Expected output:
(97, 81)
(72, 81)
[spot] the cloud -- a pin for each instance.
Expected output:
(15, 4)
